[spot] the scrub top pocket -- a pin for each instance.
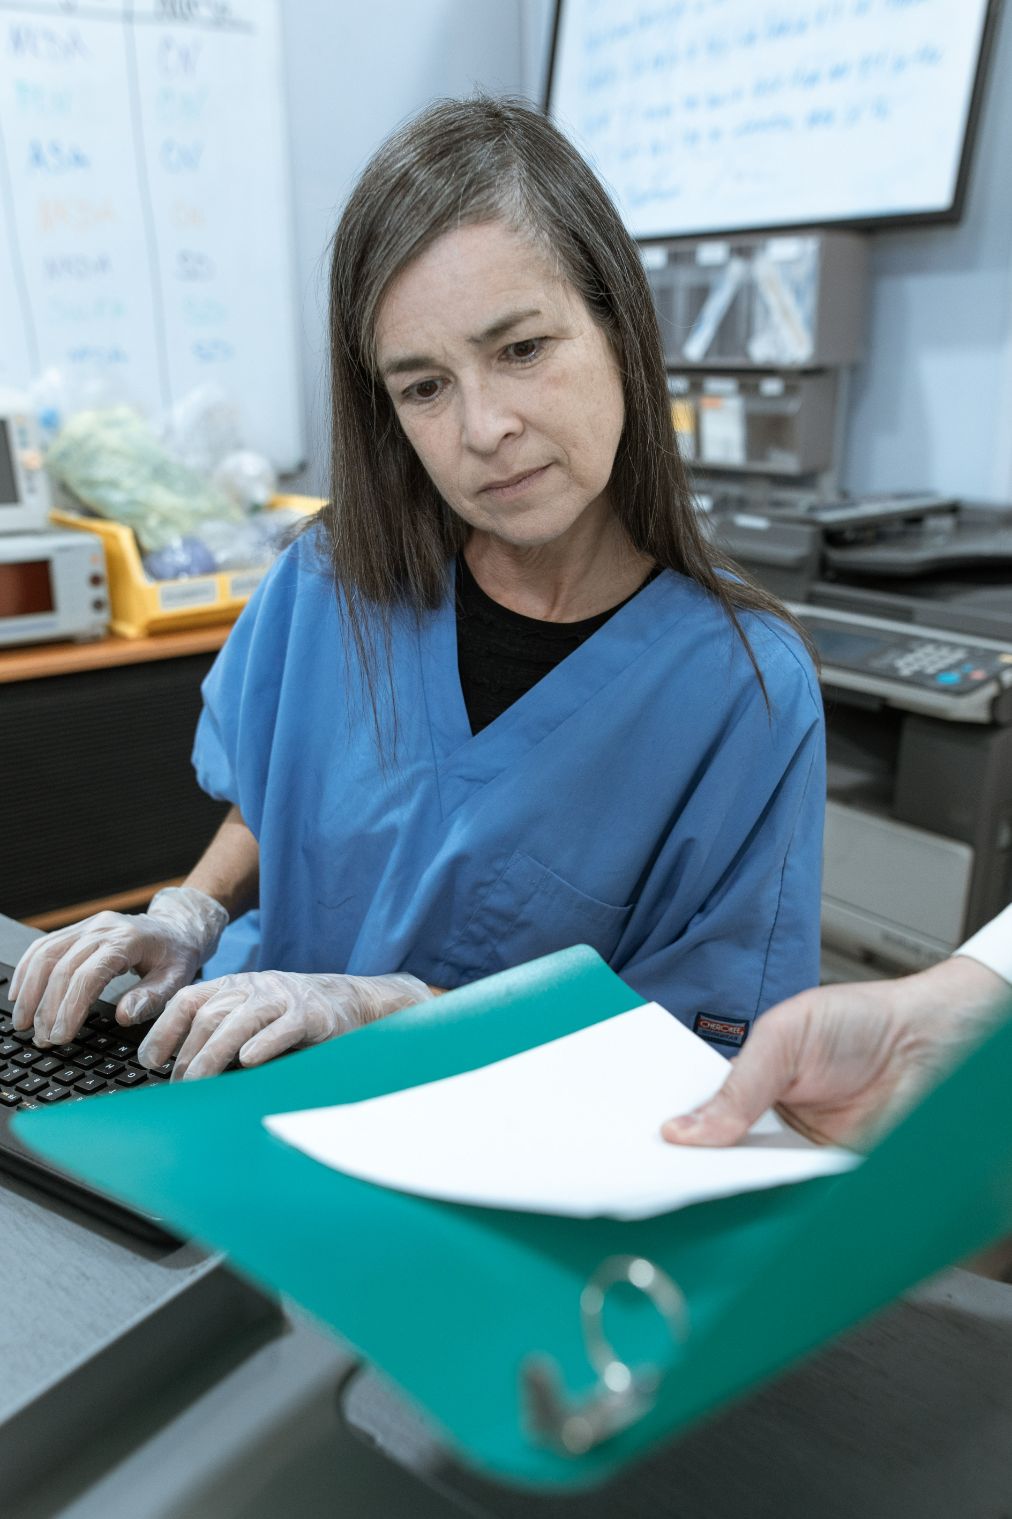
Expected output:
(526, 912)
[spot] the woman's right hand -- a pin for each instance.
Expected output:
(59, 976)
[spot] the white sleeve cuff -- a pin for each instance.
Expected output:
(992, 945)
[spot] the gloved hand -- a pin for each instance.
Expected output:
(60, 976)
(260, 1014)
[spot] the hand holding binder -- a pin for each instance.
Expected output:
(453, 1301)
(845, 1061)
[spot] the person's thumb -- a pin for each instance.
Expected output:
(721, 1121)
(148, 998)
(759, 1077)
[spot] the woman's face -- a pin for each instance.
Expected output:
(505, 386)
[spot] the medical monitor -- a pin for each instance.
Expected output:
(714, 116)
(24, 489)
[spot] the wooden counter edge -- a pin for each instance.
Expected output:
(36, 661)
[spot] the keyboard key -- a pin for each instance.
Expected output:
(9, 1047)
(6, 1024)
(32, 1084)
(26, 1057)
(66, 1051)
(102, 1021)
(88, 1084)
(54, 1094)
(67, 1075)
(99, 1041)
(9, 1098)
(131, 1077)
(10, 1074)
(163, 1071)
(46, 1066)
(84, 1059)
(108, 1068)
(123, 1051)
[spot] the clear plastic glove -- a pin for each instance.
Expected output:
(60, 976)
(844, 1063)
(254, 1016)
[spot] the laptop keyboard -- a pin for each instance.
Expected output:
(101, 1058)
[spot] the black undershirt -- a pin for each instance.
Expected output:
(501, 654)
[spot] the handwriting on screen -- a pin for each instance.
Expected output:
(146, 233)
(706, 115)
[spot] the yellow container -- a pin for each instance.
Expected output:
(141, 606)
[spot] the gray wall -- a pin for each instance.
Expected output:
(353, 70)
(932, 405)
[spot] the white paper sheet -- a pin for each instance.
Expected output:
(571, 1127)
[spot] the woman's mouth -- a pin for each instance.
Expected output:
(514, 485)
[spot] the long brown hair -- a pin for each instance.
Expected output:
(390, 534)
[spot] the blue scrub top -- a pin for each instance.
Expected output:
(640, 798)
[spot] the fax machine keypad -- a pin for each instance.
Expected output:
(949, 666)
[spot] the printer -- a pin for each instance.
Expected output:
(908, 601)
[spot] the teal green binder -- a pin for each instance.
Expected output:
(452, 1302)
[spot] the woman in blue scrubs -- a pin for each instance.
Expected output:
(501, 697)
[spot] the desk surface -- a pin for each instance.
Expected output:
(36, 661)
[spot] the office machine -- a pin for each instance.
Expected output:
(908, 600)
(24, 488)
(52, 585)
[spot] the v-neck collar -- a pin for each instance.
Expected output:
(502, 654)
(464, 760)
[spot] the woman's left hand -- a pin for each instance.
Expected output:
(256, 1016)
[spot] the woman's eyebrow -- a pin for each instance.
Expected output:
(500, 328)
(406, 363)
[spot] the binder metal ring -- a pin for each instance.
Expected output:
(624, 1393)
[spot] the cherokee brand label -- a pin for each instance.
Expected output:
(721, 1030)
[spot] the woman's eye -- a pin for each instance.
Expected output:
(526, 349)
(423, 390)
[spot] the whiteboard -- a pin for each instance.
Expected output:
(723, 115)
(145, 225)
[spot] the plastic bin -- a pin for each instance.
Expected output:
(141, 606)
(760, 424)
(748, 302)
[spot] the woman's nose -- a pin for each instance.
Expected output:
(487, 417)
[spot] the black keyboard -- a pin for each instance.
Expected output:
(101, 1059)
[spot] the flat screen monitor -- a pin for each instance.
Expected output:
(717, 116)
